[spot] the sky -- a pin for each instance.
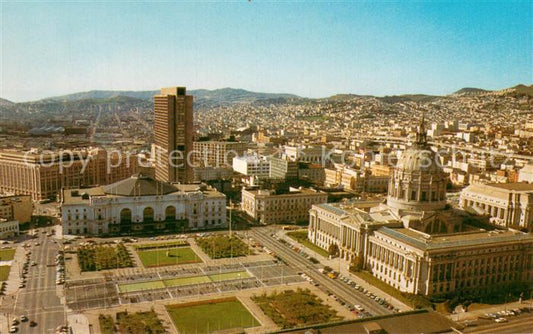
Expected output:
(308, 48)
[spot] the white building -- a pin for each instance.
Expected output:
(141, 203)
(8, 228)
(526, 173)
(252, 165)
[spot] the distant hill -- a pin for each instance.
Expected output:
(202, 97)
(103, 94)
(519, 90)
(470, 91)
(408, 98)
(6, 103)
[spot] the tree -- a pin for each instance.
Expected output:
(356, 264)
(333, 250)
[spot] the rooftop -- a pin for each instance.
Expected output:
(453, 240)
(139, 185)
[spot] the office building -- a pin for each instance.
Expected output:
(252, 165)
(173, 135)
(42, 174)
(283, 168)
(269, 207)
(217, 153)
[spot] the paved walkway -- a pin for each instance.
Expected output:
(342, 267)
(14, 278)
(472, 315)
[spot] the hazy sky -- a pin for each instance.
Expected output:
(312, 49)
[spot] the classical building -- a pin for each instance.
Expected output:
(218, 153)
(312, 154)
(417, 243)
(42, 174)
(142, 204)
(173, 135)
(269, 207)
(212, 173)
(508, 204)
(19, 208)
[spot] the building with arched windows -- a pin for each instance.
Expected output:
(142, 204)
(417, 243)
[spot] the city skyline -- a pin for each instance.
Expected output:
(316, 50)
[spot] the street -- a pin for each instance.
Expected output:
(295, 261)
(38, 300)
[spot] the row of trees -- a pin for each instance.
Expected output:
(295, 308)
(223, 246)
(101, 257)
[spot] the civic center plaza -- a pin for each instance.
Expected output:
(418, 243)
(141, 204)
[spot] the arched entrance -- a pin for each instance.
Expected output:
(148, 215)
(170, 213)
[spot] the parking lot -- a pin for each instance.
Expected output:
(159, 285)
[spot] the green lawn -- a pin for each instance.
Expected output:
(179, 281)
(301, 237)
(156, 245)
(133, 287)
(106, 324)
(229, 276)
(186, 280)
(7, 254)
(4, 273)
(209, 316)
(167, 257)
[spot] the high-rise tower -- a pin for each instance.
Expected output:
(173, 134)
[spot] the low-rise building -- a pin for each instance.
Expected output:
(269, 207)
(19, 208)
(8, 228)
(142, 204)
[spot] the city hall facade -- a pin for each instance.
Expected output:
(416, 242)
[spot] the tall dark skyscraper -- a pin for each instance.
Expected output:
(173, 131)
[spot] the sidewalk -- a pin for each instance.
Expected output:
(14, 279)
(342, 267)
(472, 315)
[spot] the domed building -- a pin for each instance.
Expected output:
(417, 190)
(418, 182)
(415, 242)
